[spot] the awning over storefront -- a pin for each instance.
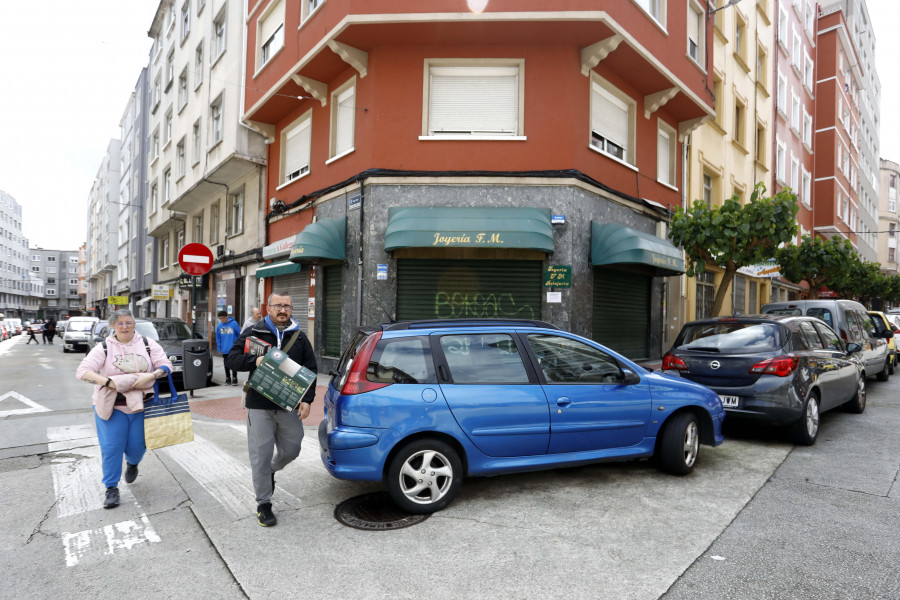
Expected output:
(279, 268)
(325, 238)
(441, 227)
(143, 300)
(613, 244)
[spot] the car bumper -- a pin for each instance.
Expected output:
(770, 399)
(355, 453)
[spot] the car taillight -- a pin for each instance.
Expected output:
(670, 361)
(780, 366)
(356, 382)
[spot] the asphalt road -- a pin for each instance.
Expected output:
(758, 518)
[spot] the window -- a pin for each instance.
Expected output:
(807, 72)
(780, 161)
(154, 198)
(795, 112)
(167, 132)
(215, 121)
(806, 195)
(148, 254)
(343, 112)
(612, 120)
(781, 97)
(170, 69)
(51, 269)
(236, 212)
(483, 358)
(892, 229)
(740, 37)
(405, 360)
(473, 101)
(666, 153)
(565, 360)
(181, 160)
(157, 93)
(167, 185)
(719, 94)
(892, 255)
(296, 145)
(73, 282)
(807, 128)
(706, 294)
(198, 228)
(154, 146)
(179, 240)
(164, 254)
(783, 32)
(133, 268)
(654, 8)
(761, 142)
(740, 122)
(185, 20)
(707, 190)
(195, 140)
(182, 89)
(219, 35)
(198, 65)
(797, 52)
(312, 5)
(214, 223)
(696, 24)
(271, 32)
(795, 173)
(762, 66)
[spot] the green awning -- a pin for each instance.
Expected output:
(613, 244)
(279, 268)
(442, 227)
(326, 238)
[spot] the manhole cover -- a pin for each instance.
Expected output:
(374, 511)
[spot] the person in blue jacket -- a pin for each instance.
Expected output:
(227, 331)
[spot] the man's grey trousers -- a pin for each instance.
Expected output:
(273, 439)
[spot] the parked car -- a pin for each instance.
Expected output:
(77, 333)
(169, 332)
(852, 322)
(14, 325)
(781, 369)
(882, 326)
(61, 327)
(4, 332)
(422, 404)
(95, 336)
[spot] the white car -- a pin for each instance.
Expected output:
(77, 333)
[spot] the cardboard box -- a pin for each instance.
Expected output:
(282, 381)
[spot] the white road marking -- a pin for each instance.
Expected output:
(77, 476)
(34, 406)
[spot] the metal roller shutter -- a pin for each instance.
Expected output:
(448, 289)
(621, 312)
(297, 285)
(333, 275)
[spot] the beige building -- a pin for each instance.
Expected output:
(888, 217)
(206, 169)
(730, 153)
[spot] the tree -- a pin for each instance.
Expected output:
(819, 262)
(863, 281)
(733, 235)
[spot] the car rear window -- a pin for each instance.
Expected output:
(731, 337)
(403, 360)
(792, 311)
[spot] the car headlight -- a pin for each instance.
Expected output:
(174, 358)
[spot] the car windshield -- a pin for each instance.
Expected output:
(80, 326)
(164, 331)
(731, 337)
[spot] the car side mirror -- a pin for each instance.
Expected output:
(629, 377)
(853, 347)
(888, 334)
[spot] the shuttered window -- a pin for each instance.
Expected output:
(344, 107)
(332, 313)
(296, 150)
(271, 32)
(475, 101)
(621, 312)
(611, 123)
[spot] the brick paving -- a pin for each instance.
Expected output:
(230, 408)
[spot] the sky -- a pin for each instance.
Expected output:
(63, 92)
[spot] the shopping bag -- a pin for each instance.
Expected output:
(167, 420)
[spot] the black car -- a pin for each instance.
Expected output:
(777, 368)
(168, 331)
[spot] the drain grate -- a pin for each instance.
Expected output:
(374, 512)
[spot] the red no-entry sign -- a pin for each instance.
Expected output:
(195, 259)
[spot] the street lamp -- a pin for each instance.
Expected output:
(727, 4)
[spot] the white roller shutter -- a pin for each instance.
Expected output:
(609, 116)
(296, 151)
(474, 100)
(343, 135)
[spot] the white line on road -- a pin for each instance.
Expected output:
(34, 406)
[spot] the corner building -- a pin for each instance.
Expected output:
(441, 159)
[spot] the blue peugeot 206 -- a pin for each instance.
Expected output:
(422, 404)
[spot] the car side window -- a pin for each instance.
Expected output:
(406, 360)
(810, 336)
(564, 360)
(856, 330)
(483, 358)
(821, 313)
(831, 339)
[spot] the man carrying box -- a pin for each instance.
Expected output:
(274, 435)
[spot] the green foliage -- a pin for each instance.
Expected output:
(819, 262)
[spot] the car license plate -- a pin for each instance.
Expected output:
(177, 369)
(729, 401)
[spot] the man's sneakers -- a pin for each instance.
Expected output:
(227, 382)
(264, 515)
(112, 498)
(131, 472)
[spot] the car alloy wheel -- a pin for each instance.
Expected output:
(679, 444)
(424, 476)
(806, 428)
(857, 404)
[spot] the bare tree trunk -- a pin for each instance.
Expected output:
(724, 286)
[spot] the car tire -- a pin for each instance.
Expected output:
(65, 350)
(805, 430)
(892, 360)
(857, 404)
(679, 444)
(885, 372)
(424, 476)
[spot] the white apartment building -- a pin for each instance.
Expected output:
(888, 217)
(206, 174)
(103, 233)
(14, 280)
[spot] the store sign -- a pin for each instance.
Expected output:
(767, 269)
(558, 276)
(279, 248)
(117, 300)
(160, 292)
(467, 239)
(185, 280)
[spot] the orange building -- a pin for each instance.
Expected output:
(489, 158)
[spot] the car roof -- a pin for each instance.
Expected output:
(468, 323)
(755, 319)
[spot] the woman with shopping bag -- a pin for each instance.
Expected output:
(123, 370)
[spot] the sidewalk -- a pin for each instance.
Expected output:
(220, 401)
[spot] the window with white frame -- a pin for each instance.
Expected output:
(654, 8)
(740, 122)
(797, 52)
(612, 120)
(343, 118)
(782, 94)
(167, 130)
(183, 89)
(809, 16)
(156, 96)
(73, 282)
(51, 269)
(180, 159)
(179, 240)
(840, 154)
(696, 32)
(198, 65)
(708, 189)
(795, 112)
(806, 195)
(740, 36)
(170, 69)
(167, 185)
(148, 254)
(783, 27)
(164, 253)
(808, 69)
(50, 292)
(807, 128)
(154, 145)
(133, 266)
(795, 173)
(312, 5)
(195, 140)
(215, 121)
(780, 161)
(474, 100)
(214, 223)
(295, 142)
(218, 35)
(235, 209)
(185, 19)
(271, 32)
(198, 228)
(666, 153)
(154, 198)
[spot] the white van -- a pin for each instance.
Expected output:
(77, 332)
(14, 325)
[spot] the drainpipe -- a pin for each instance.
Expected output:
(359, 266)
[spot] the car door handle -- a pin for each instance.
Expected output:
(563, 401)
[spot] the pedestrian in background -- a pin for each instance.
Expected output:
(123, 370)
(32, 329)
(226, 332)
(274, 435)
(49, 331)
(252, 319)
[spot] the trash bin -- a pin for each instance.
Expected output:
(195, 364)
